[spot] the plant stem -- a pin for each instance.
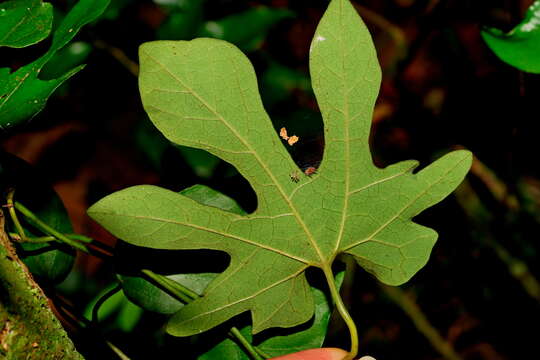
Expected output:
(105, 297)
(119, 55)
(13, 215)
(262, 353)
(81, 238)
(177, 290)
(42, 239)
(186, 295)
(70, 315)
(117, 351)
(334, 292)
(47, 229)
(247, 346)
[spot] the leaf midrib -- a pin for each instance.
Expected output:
(347, 140)
(202, 228)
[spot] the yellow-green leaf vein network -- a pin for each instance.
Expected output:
(203, 93)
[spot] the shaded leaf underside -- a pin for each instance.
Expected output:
(204, 94)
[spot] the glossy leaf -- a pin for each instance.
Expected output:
(246, 30)
(521, 46)
(22, 93)
(203, 94)
(24, 22)
(51, 262)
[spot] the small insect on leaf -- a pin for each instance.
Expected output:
(295, 177)
(293, 140)
(283, 134)
(310, 171)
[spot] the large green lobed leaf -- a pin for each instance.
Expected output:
(22, 93)
(24, 22)
(521, 46)
(203, 93)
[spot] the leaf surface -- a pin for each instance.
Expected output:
(22, 93)
(24, 22)
(203, 94)
(150, 297)
(521, 46)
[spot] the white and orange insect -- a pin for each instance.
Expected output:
(290, 139)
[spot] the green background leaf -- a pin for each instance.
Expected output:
(48, 261)
(24, 22)
(204, 94)
(22, 93)
(521, 46)
(246, 30)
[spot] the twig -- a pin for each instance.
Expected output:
(117, 351)
(119, 55)
(29, 215)
(394, 31)
(13, 215)
(421, 322)
(496, 187)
